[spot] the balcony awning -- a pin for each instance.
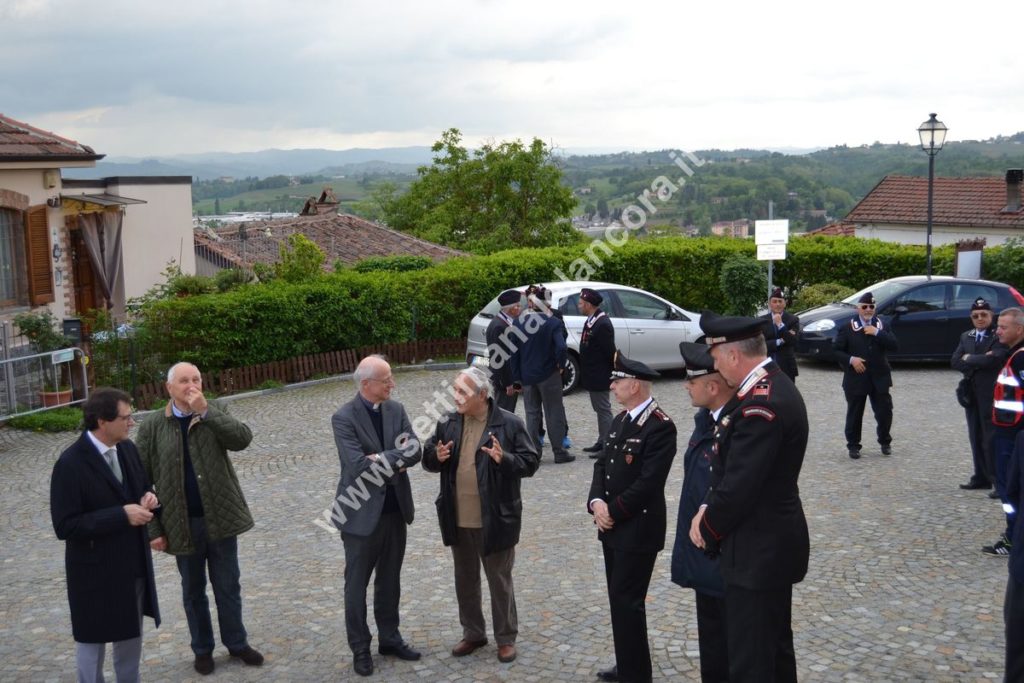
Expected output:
(101, 199)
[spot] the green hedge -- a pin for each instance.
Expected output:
(280, 320)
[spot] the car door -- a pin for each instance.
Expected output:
(654, 335)
(920, 319)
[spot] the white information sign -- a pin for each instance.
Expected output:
(771, 232)
(771, 252)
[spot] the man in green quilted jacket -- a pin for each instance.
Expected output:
(185, 453)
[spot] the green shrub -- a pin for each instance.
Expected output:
(271, 384)
(1005, 263)
(395, 264)
(192, 285)
(231, 278)
(66, 419)
(349, 309)
(820, 294)
(744, 284)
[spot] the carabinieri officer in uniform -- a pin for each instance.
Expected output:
(627, 499)
(752, 517)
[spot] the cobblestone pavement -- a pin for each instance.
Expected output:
(897, 588)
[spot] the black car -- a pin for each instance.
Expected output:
(927, 315)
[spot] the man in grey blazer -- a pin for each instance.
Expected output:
(376, 445)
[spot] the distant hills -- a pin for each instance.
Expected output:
(270, 162)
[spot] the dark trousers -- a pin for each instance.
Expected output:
(1013, 616)
(602, 406)
(979, 433)
(629, 575)
(881, 406)
(468, 556)
(759, 624)
(712, 638)
(1002, 444)
(546, 396)
(504, 400)
(221, 558)
(381, 554)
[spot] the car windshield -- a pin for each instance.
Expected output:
(882, 291)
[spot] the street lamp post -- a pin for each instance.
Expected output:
(933, 135)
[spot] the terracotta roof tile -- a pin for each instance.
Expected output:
(19, 140)
(838, 229)
(968, 202)
(342, 237)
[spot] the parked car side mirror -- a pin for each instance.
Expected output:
(672, 314)
(900, 310)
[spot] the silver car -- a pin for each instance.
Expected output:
(647, 327)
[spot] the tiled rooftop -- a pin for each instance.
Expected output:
(837, 229)
(342, 237)
(968, 202)
(19, 141)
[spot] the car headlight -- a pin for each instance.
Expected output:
(823, 325)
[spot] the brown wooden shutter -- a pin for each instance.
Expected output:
(37, 257)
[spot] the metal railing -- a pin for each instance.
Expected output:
(34, 382)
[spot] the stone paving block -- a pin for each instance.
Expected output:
(897, 588)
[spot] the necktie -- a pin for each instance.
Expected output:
(111, 457)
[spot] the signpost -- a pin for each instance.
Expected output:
(771, 238)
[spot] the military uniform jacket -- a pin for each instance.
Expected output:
(980, 367)
(754, 518)
(500, 376)
(691, 567)
(783, 353)
(597, 353)
(851, 340)
(630, 477)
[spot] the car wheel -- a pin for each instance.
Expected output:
(571, 376)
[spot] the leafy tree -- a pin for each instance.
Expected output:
(744, 284)
(301, 260)
(602, 207)
(497, 197)
(216, 206)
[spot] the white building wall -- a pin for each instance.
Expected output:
(154, 233)
(941, 235)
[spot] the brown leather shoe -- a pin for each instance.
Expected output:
(507, 653)
(466, 647)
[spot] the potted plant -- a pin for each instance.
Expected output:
(40, 328)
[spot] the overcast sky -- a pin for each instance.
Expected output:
(157, 78)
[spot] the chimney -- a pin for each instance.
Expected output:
(1014, 176)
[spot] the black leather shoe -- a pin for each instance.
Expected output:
(249, 656)
(402, 651)
(886, 449)
(975, 486)
(854, 453)
(204, 664)
(362, 662)
(594, 456)
(565, 458)
(611, 674)
(596, 448)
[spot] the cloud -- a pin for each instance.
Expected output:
(135, 78)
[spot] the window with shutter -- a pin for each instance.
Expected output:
(37, 247)
(12, 258)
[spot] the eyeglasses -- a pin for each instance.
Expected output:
(979, 316)
(868, 307)
(130, 417)
(386, 380)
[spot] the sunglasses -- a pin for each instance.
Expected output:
(869, 307)
(979, 316)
